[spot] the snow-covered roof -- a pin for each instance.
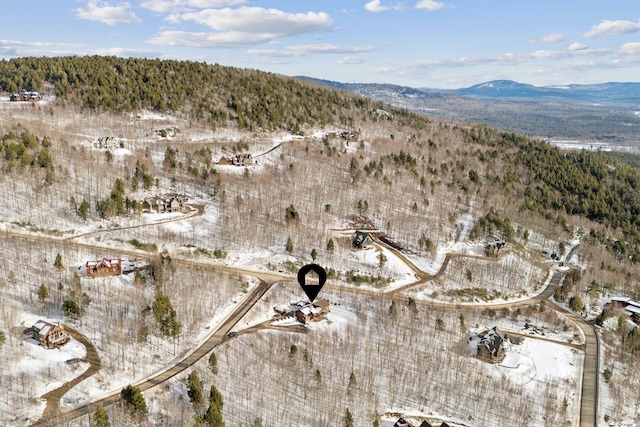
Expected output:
(632, 309)
(43, 327)
(620, 299)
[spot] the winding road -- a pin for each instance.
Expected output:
(52, 415)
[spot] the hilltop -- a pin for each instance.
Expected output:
(110, 136)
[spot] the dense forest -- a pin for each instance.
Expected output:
(215, 94)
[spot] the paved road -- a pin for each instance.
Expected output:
(216, 338)
(589, 393)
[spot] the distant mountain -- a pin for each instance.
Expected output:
(615, 93)
(606, 112)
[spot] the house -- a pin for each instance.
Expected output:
(103, 267)
(361, 239)
(174, 204)
(170, 203)
(49, 335)
(107, 142)
(25, 95)
(242, 159)
(313, 312)
(153, 205)
(245, 159)
(495, 249)
(491, 347)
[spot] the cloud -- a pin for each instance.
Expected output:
(209, 40)
(303, 50)
(430, 5)
(632, 48)
(550, 38)
(170, 6)
(349, 60)
(375, 6)
(573, 47)
(258, 20)
(243, 26)
(15, 48)
(125, 52)
(107, 14)
(613, 28)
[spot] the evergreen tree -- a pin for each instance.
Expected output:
(347, 420)
(314, 254)
(330, 245)
(166, 316)
(215, 397)
(212, 417)
(134, 401)
(43, 292)
(58, 262)
(83, 210)
(289, 245)
(194, 388)
(100, 418)
(213, 363)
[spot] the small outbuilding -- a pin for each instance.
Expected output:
(49, 335)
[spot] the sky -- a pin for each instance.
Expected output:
(417, 43)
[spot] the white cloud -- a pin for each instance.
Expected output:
(613, 27)
(573, 47)
(375, 6)
(430, 5)
(107, 14)
(167, 6)
(258, 20)
(243, 26)
(303, 50)
(350, 60)
(632, 48)
(15, 48)
(229, 39)
(550, 38)
(125, 52)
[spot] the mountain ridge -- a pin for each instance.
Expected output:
(603, 112)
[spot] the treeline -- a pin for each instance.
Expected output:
(216, 94)
(555, 183)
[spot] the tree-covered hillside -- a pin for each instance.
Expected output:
(216, 94)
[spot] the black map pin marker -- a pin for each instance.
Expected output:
(312, 289)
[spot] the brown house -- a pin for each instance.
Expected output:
(313, 312)
(49, 335)
(104, 267)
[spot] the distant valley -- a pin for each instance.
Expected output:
(605, 116)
